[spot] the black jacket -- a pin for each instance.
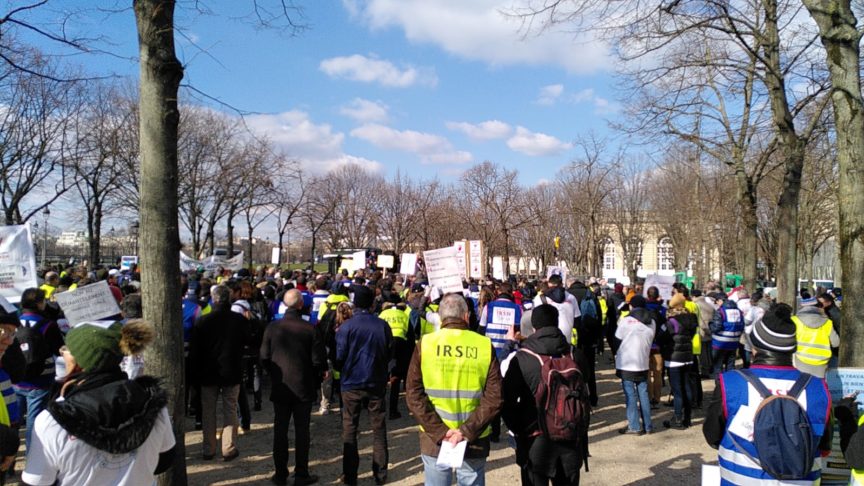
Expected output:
(294, 354)
(216, 348)
(676, 338)
(851, 436)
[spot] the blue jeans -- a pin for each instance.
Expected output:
(634, 391)
(34, 401)
(472, 472)
(682, 392)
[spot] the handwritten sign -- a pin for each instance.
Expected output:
(663, 283)
(461, 253)
(555, 270)
(442, 269)
(88, 303)
(476, 262)
(408, 263)
(17, 261)
(841, 382)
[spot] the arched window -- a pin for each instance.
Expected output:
(665, 254)
(608, 254)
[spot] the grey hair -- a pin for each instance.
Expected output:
(221, 295)
(452, 306)
(293, 299)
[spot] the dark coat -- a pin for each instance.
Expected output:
(294, 354)
(363, 349)
(676, 341)
(216, 348)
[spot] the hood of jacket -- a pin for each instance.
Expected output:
(547, 341)
(812, 316)
(556, 294)
(108, 411)
(643, 315)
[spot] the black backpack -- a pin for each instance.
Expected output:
(782, 433)
(31, 338)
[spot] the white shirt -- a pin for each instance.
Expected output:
(55, 455)
(635, 348)
(565, 313)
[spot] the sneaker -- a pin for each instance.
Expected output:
(627, 431)
(676, 424)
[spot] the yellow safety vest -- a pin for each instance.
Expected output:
(857, 478)
(693, 308)
(454, 364)
(574, 337)
(331, 299)
(398, 322)
(427, 327)
(814, 345)
(604, 307)
(48, 289)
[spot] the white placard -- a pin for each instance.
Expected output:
(663, 283)
(555, 270)
(451, 456)
(385, 261)
(475, 259)
(442, 269)
(17, 261)
(274, 256)
(710, 475)
(88, 303)
(461, 253)
(358, 260)
(504, 316)
(408, 263)
(127, 261)
(498, 268)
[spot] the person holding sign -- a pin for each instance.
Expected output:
(454, 391)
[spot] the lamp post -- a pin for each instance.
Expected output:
(45, 213)
(111, 240)
(134, 228)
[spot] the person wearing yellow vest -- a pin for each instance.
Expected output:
(851, 437)
(52, 280)
(393, 313)
(816, 336)
(454, 391)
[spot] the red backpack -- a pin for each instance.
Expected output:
(563, 409)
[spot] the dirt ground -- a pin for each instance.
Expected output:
(663, 458)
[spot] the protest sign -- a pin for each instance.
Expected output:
(408, 263)
(274, 256)
(442, 269)
(17, 261)
(127, 261)
(841, 382)
(461, 253)
(212, 263)
(385, 261)
(498, 268)
(555, 270)
(476, 262)
(663, 283)
(88, 303)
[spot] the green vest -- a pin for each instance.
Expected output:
(454, 364)
(398, 322)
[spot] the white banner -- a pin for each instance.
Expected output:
(17, 261)
(442, 269)
(555, 270)
(498, 268)
(476, 260)
(385, 261)
(274, 256)
(662, 282)
(408, 263)
(212, 263)
(88, 303)
(461, 252)
(127, 261)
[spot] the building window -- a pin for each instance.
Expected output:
(608, 254)
(665, 254)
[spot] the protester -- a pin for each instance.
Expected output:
(851, 427)
(675, 338)
(727, 325)
(816, 336)
(436, 380)
(635, 333)
(216, 357)
(12, 366)
(555, 295)
(773, 340)
(103, 428)
(363, 346)
(294, 355)
(654, 304)
(394, 314)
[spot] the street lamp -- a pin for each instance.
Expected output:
(111, 241)
(45, 213)
(134, 228)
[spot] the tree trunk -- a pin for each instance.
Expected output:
(839, 34)
(250, 229)
(749, 238)
(230, 231)
(161, 73)
(281, 238)
(312, 262)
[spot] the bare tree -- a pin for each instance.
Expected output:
(290, 196)
(354, 219)
(629, 214)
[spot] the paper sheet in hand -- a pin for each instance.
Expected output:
(17, 262)
(88, 303)
(450, 455)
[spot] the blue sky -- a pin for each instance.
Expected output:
(427, 86)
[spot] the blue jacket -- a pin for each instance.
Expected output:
(363, 351)
(727, 327)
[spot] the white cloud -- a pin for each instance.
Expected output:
(373, 70)
(488, 130)
(478, 30)
(550, 94)
(536, 144)
(365, 111)
(432, 149)
(316, 146)
(582, 96)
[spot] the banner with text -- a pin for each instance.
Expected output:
(88, 303)
(17, 261)
(461, 254)
(841, 382)
(442, 269)
(663, 283)
(556, 270)
(188, 263)
(476, 262)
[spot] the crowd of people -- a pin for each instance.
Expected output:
(521, 353)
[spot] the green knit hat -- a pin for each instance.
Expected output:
(95, 346)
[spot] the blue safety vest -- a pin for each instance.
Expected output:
(733, 327)
(735, 467)
(501, 315)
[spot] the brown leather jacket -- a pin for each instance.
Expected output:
(424, 412)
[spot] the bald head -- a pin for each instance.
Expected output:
(293, 299)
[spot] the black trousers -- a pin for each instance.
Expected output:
(283, 412)
(353, 402)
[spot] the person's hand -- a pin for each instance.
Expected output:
(511, 334)
(7, 463)
(454, 436)
(852, 395)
